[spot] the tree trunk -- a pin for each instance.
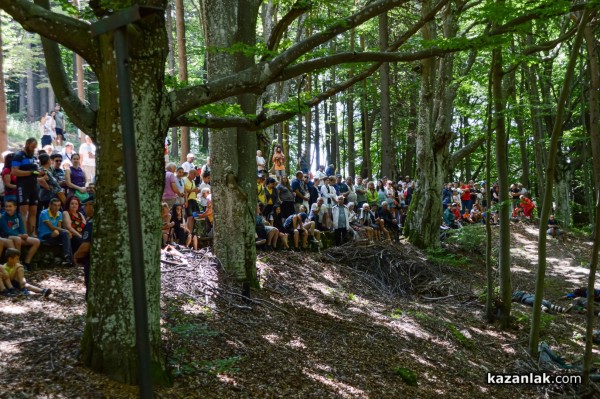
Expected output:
(3, 110)
(109, 344)
(182, 70)
(503, 185)
(171, 61)
(233, 151)
(317, 120)
(387, 146)
(30, 89)
(594, 111)
(557, 131)
(411, 134)
(327, 130)
(23, 96)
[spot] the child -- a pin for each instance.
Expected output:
(6, 287)
(16, 274)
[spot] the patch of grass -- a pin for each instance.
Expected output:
(524, 319)
(423, 317)
(396, 314)
(220, 366)
(471, 238)
(192, 330)
(459, 336)
(440, 256)
(407, 375)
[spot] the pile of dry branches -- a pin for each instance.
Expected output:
(396, 270)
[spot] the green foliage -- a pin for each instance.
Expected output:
(407, 375)
(523, 319)
(459, 336)
(192, 330)
(220, 366)
(471, 238)
(396, 313)
(440, 256)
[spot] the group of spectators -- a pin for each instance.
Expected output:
(44, 203)
(187, 200)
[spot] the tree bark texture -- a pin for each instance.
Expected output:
(182, 70)
(3, 110)
(387, 145)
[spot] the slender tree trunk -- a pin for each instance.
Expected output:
(79, 76)
(489, 267)
(23, 96)
(594, 111)
(3, 110)
(411, 134)
(30, 90)
(182, 70)
(350, 107)
(327, 130)
(387, 146)
(317, 120)
(171, 62)
(43, 76)
(547, 200)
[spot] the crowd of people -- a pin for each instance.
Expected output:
(47, 198)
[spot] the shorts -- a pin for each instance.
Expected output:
(46, 140)
(59, 132)
(27, 195)
(269, 229)
(191, 208)
(16, 284)
(280, 173)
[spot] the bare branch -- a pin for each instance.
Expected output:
(464, 152)
(299, 8)
(65, 30)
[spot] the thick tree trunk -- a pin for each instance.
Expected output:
(387, 146)
(182, 70)
(108, 344)
(411, 134)
(233, 151)
(3, 110)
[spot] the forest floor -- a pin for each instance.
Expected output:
(383, 321)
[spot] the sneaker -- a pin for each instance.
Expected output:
(7, 293)
(67, 262)
(46, 292)
(13, 291)
(25, 291)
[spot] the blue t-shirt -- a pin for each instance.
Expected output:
(54, 221)
(27, 163)
(11, 225)
(289, 222)
(297, 186)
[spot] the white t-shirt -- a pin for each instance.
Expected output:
(85, 158)
(187, 166)
(260, 163)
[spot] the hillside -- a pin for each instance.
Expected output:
(352, 322)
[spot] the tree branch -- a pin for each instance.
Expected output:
(299, 8)
(62, 29)
(464, 152)
(82, 116)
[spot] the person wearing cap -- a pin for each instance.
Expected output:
(341, 221)
(189, 164)
(82, 255)
(67, 153)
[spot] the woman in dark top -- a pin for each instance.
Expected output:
(180, 229)
(10, 180)
(75, 178)
(286, 197)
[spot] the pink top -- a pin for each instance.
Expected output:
(168, 192)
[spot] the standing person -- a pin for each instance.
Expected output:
(352, 196)
(278, 162)
(321, 175)
(286, 197)
(300, 194)
(330, 171)
(205, 167)
(261, 163)
(341, 221)
(67, 153)
(9, 180)
(87, 151)
(329, 198)
(25, 167)
(465, 196)
(170, 190)
(180, 183)
(189, 164)
(191, 199)
(47, 129)
(59, 125)
(271, 197)
(49, 186)
(361, 193)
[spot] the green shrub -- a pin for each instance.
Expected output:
(471, 238)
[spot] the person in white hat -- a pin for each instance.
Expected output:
(189, 164)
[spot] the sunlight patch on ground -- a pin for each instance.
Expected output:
(272, 338)
(342, 389)
(296, 343)
(13, 309)
(410, 328)
(7, 348)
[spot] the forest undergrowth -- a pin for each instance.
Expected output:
(383, 321)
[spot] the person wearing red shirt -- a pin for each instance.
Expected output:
(465, 197)
(528, 206)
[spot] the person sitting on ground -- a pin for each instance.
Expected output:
(450, 218)
(477, 212)
(264, 229)
(12, 231)
(528, 299)
(528, 206)
(517, 214)
(359, 230)
(181, 232)
(6, 286)
(49, 186)
(16, 273)
(581, 292)
(380, 222)
(466, 217)
(82, 255)
(310, 226)
(167, 224)
(341, 221)
(208, 211)
(276, 220)
(74, 222)
(554, 229)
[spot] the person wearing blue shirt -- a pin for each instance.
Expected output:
(51, 230)
(13, 227)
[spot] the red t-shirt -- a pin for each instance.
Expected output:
(13, 180)
(466, 195)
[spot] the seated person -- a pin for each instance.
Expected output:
(293, 226)
(181, 233)
(207, 213)
(581, 292)
(313, 233)
(450, 217)
(553, 227)
(264, 229)
(360, 230)
(51, 230)
(317, 213)
(528, 299)
(380, 222)
(167, 224)
(389, 220)
(367, 221)
(477, 212)
(12, 227)
(16, 273)
(82, 255)
(6, 286)
(276, 220)
(74, 222)
(517, 213)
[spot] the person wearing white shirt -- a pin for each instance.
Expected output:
(260, 161)
(189, 164)
(87, 152)
(320, 174)
(341, 221)
(329, 196)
